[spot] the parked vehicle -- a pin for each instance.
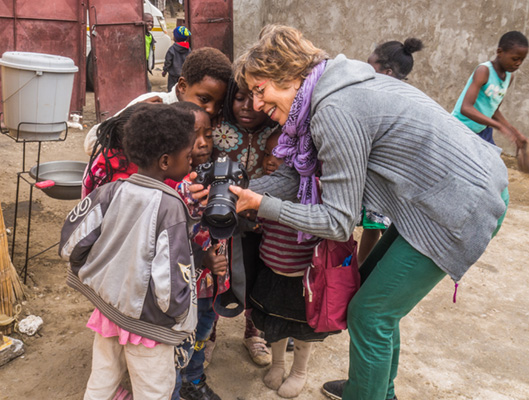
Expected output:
(159, 32)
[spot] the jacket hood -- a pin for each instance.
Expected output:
(339, 73)
(181, 49)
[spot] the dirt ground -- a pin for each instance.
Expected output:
(475, 349)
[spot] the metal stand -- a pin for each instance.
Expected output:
(24, 175)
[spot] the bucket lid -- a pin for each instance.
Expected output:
(38, 62)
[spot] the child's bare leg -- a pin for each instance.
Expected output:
(293, 385)
(274, 377)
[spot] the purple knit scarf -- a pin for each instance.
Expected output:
(295, 144)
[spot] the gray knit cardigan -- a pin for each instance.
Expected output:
(387, 146)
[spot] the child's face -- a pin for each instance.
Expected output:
(179, 164)
(270, 162)
(208, 93)
(149, 22)
(511, 60)
(204, 144)
(244, 113)
(373, 61)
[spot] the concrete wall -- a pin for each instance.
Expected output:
(457, 35)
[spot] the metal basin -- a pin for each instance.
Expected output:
(67, 175)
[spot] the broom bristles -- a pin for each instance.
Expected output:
(11, 288)
(16, 283)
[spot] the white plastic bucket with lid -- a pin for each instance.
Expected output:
(36, 89)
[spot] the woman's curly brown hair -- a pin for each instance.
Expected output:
(282, 54)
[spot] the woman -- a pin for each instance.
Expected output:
(385, 145)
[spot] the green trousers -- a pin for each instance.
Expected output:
(395, 278)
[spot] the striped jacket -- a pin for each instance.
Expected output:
(281, 251)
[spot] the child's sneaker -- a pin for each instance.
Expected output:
(259, 353)
(197, 391)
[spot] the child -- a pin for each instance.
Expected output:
(194, 381)
(395, 59)
(205, 76)
(176, 55)
(108, 162)
(479, 103)
(243, 133)
(149, 46)
(277, 296)
(111, 164)
(242, 136)
(128, 247)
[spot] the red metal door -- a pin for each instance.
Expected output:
(118, 50)
(211, 24)
(50, 27)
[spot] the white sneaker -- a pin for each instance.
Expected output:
(259, 353)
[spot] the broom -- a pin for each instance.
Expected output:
(11, 289)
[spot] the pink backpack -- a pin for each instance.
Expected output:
(330, 283)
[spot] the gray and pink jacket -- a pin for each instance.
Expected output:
(128, 245)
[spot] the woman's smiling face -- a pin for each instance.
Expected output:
(272, 99)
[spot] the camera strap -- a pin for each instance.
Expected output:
(231, 302)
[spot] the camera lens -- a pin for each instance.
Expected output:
(217, 220)
(220, 215)
(220, 219)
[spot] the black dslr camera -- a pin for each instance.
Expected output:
(220, 216)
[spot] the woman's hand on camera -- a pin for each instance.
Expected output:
(248, 200)
(198, 192)
(250, 215)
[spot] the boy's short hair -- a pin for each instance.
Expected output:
(512, 39)
(206, 61)
(157, 129)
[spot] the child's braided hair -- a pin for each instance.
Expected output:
(109, 143)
